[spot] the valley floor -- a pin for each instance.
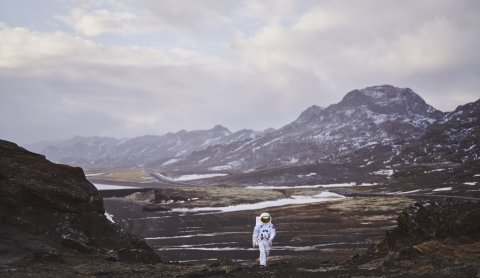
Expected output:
(311, 232)
(331, 238)
(204, 228)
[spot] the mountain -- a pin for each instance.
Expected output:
(78, 150)
(455, 138)
(49, 212)
(381, 126)
(111, 152)
(379, 115)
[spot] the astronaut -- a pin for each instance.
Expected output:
(263, 235)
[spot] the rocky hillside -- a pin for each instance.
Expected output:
(439, 238)
(455, 138)
(50, 211)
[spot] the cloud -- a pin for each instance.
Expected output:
(345, 48)
(145, 16)
(97, 22)
(129, 68)
(118, 91)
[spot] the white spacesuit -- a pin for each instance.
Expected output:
(263, 235)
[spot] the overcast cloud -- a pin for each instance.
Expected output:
(126, 68)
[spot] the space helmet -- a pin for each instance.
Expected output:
(265, 218)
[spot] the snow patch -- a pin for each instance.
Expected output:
(171, 161)
(307, 175)
(210, 140)
(443, 189)
(109, 217)
(434, 170)
(151, 217)
(208, 248)
(294, 200)
(198, 176)
(470, 183)
(220, 168)
(404, 192)
(351, 184)
(228, 166)
(370, 144)
(302, 186)
(384, 172)
(229, 248)
(471, 148)
(273, 141)
(368, 184)
(293, 160)
(203, 160)
(190, 176)
(194, 235)
(100, 186)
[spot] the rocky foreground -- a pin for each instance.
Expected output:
(49, 212)
(52, 224)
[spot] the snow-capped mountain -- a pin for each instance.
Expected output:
(111, 152)
(375, 115)
(382, 125)
(455, 138)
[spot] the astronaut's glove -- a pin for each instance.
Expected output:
(270, 241)
(254, 244)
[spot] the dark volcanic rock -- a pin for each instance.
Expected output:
(48, 209)
(432, 220)
(432, 239)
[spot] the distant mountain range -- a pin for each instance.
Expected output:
(139, 151)
(381, 124)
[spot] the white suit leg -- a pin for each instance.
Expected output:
(264, 247)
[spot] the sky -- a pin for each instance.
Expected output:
(126, 68)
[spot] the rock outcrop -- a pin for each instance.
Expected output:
(432, 239)
(434, 220)
(49, 210)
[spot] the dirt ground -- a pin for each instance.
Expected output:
(312, 232)
(313, 240)
(328, 239)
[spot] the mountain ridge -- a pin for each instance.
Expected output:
(98, 151)
(321, 134)
(378, 115)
